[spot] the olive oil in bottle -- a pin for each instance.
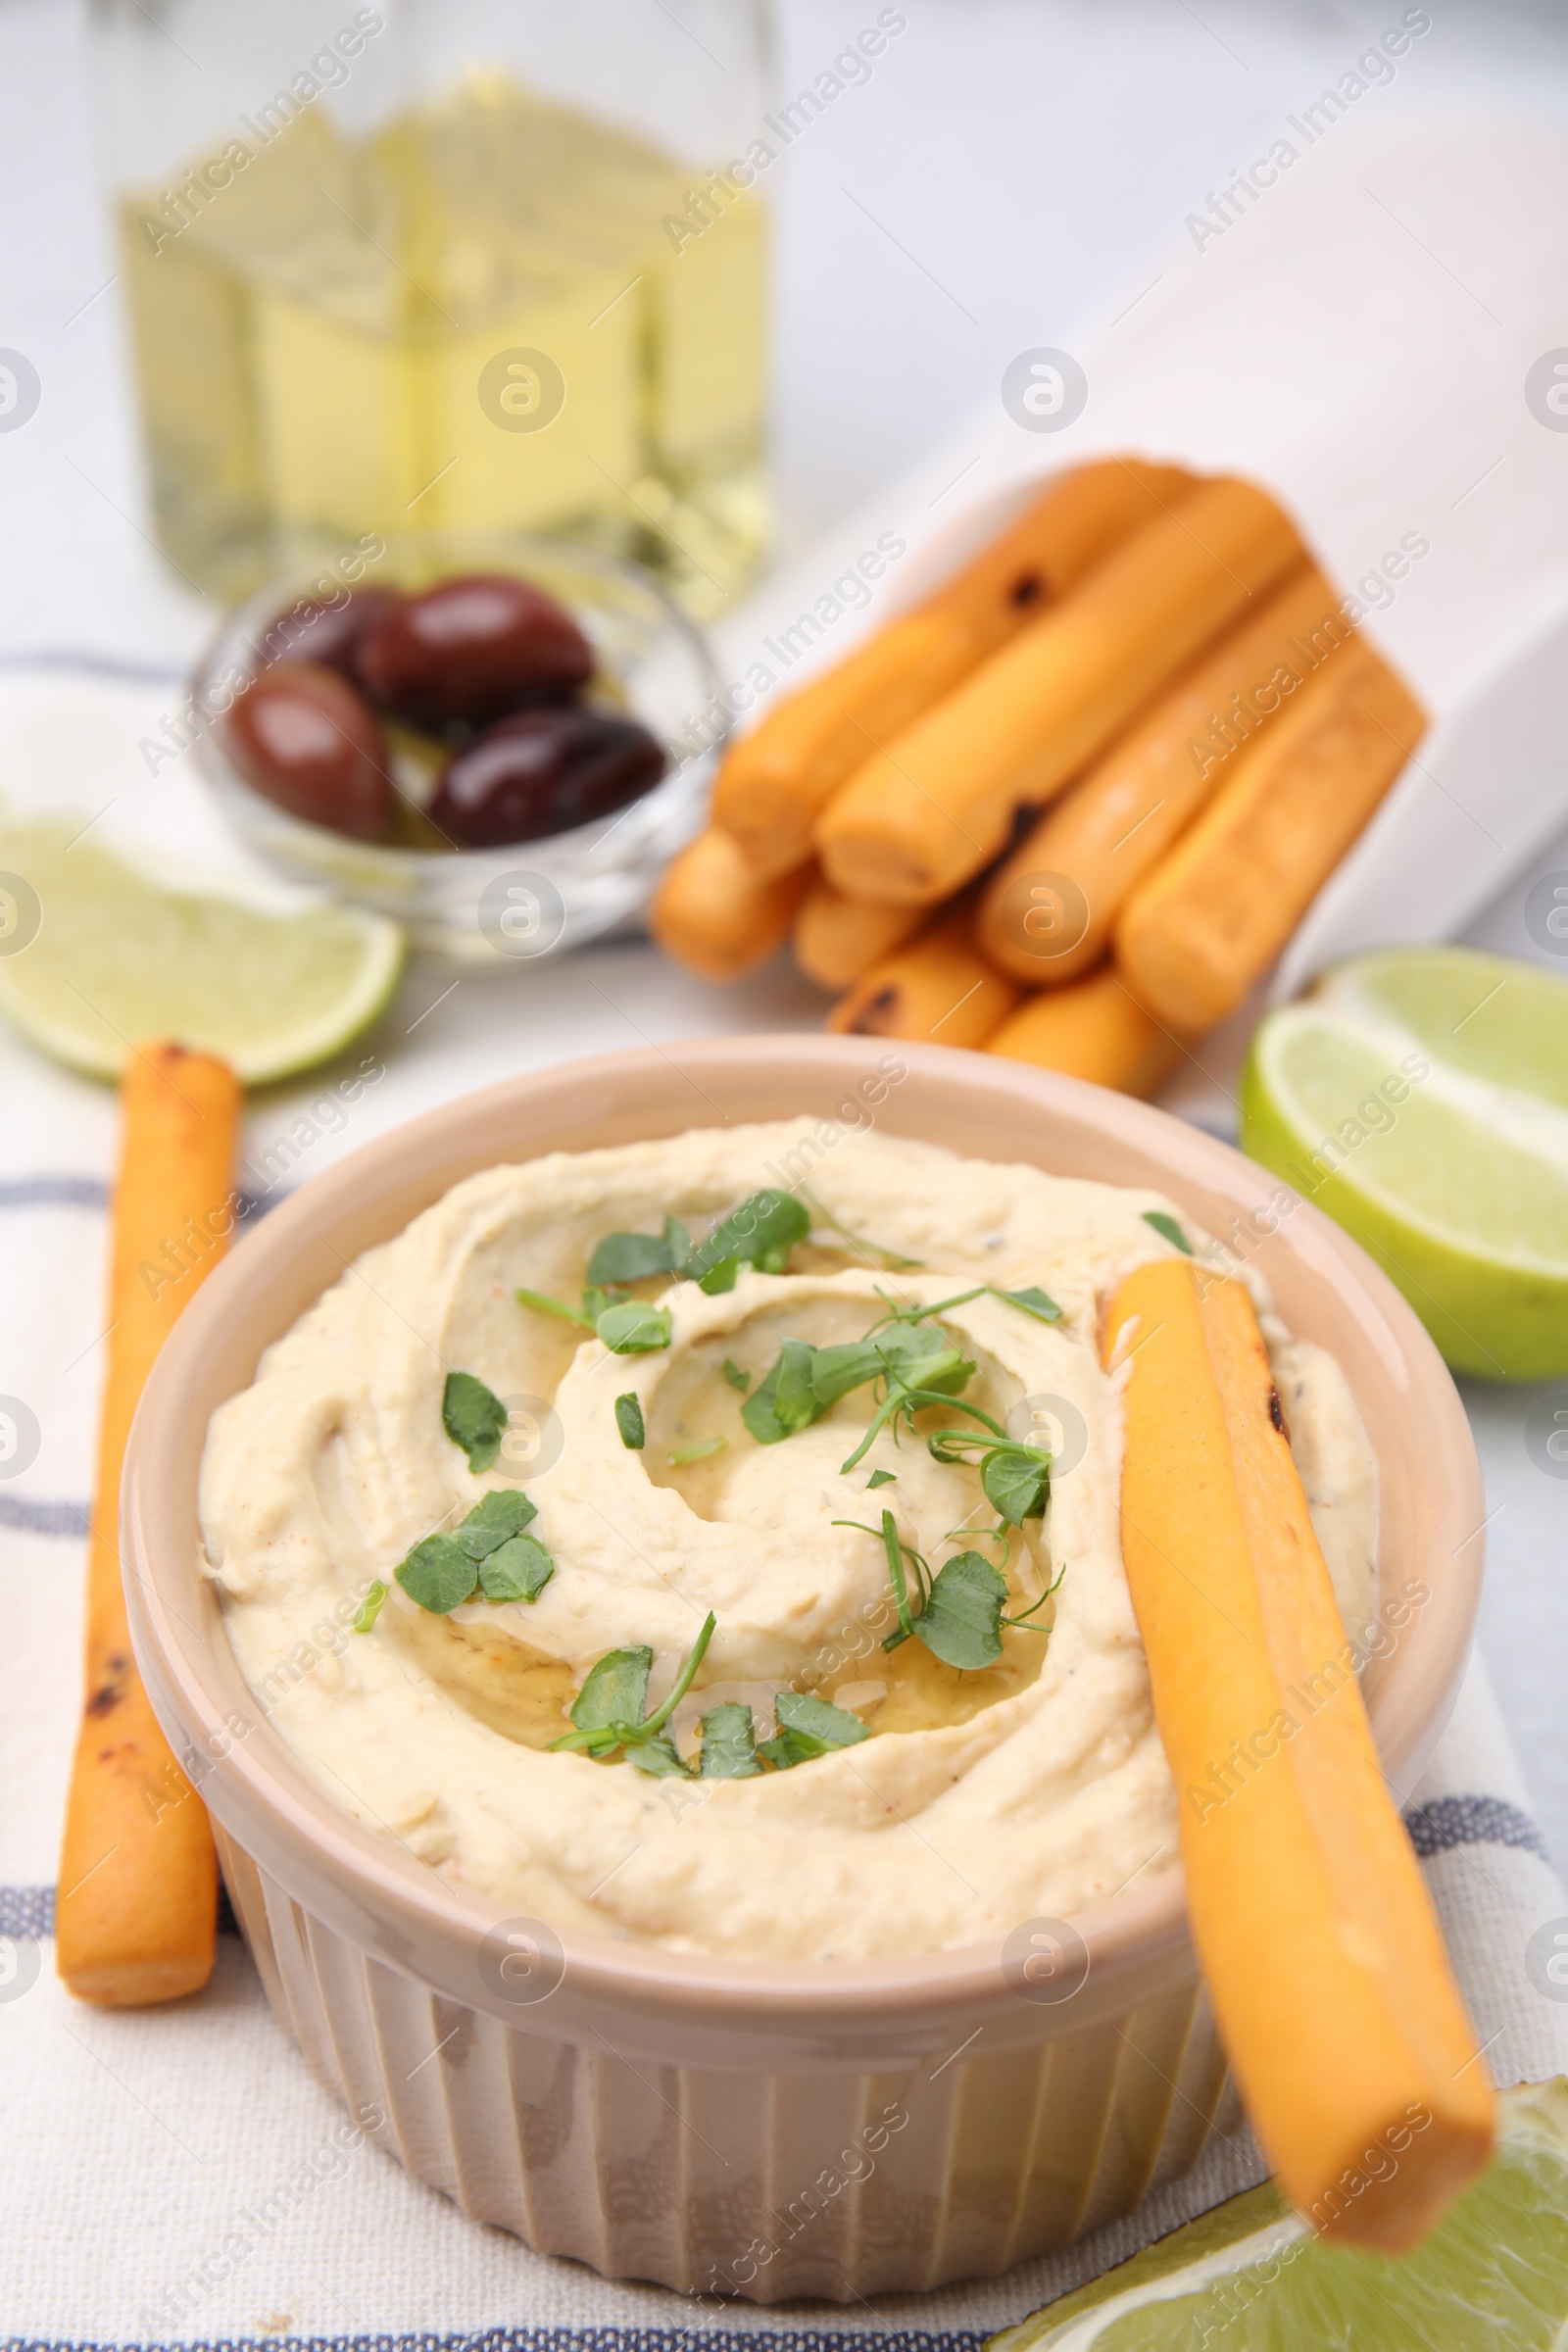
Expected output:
(493, 311)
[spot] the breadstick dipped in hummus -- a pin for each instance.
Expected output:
(931, 806)
(1115, 826)
(1208, 921)
(774, 783)
(137, 1907)
(1319, 1944)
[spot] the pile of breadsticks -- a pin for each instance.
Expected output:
(1074, 805)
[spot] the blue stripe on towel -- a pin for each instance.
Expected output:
(31, 1911)
(1438, 1826)
(53, 1191)
(698, 2337)
(43, 1518)
(27, 1911)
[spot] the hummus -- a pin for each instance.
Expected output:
(969, 1800)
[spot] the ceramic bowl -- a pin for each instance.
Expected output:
(835, 2129)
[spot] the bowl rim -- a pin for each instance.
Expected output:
(386, 1900)
(240, 631)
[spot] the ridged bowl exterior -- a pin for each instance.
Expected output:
(767, 2130)
(834, 2184)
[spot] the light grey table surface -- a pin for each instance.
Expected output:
(1009, 160)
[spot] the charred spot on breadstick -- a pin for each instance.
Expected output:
(1025, 591)
(881, 1005)
(1276, 1414)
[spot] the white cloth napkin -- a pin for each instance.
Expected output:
(172, 2176)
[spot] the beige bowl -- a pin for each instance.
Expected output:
(826, 2128)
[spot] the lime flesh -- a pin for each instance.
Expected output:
(1420, 1096)
(116, 957)
(1252, 2276)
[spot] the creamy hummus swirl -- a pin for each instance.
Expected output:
(1027, 1790)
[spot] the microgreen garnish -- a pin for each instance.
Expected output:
(633, 1328)
(629, 1422)
(626, 1326)
(806, 1382)
(1014, 1476)
(958, 1618)
(623, 1257)
(809, 1727)
(369, 1609)
(729, 1743)
(881, 1478)
(1168, 1229)
(698, 1450)
(608, 1711)
(738, 1380)
(473, 1417)
(1034, 1301)
(893, 1261)
(760, 1233)
(488, 1552)
(547, 1306)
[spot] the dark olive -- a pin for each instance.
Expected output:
(309, 742)
(472, 648)
(314, 631)
(543, 772)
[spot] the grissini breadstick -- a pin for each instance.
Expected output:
(776, 779)
(712, 914)
(1094, 1029)
(933, 804)
(1203, 925)
(1116, 823)
(1319, 1945)
(837, 939)
(938, 989)
(137, 1906)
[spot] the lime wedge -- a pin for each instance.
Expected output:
(1251, 2276)
(95, 954)
(1420, 1096)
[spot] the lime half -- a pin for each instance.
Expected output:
(1420, 1096)
(1251, 2276)
(95, 954)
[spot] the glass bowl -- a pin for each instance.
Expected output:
(516, 902)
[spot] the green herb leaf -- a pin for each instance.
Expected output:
(1034, 1301)
(657, 1756)
(633, 1328)
(696, 1451)
(881, 1478)
(738, 1380)
(623, 1257)
(629, 1422)
(786, 1402)
(961, 1621)
(835, 1371)
(439, 1574)
(1017, 1480)
(729, 1743)
(1168, 1229)
(615, 1692)
(503, 1512)
(369, 1609)
(809, 1727)
(761, 1232)
(547, 1306)
(516, 1570)
(473, 1417)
